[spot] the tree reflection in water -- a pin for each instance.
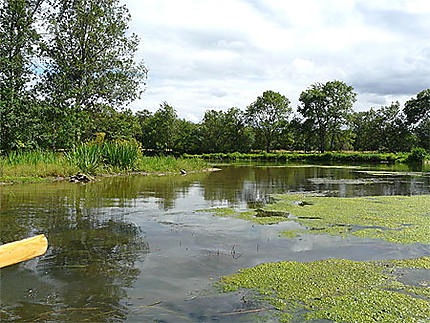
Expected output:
(90, 262)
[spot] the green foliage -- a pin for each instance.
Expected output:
(298, 156)
(90, 55)
(31, 166)
(268, 115)
(121, 154)
(18, 41)
(327, 110)
(418, 154)
(90, 156)
(87, 156)
(418, 109)
(32, 157)
(225, 131)
(384, 129)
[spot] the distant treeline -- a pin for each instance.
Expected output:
(71, 83)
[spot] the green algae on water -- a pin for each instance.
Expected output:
(244, 215)
(401, 219)
(337, 290)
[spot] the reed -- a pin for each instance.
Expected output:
(94, 158)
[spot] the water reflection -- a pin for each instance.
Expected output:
(236, 184)
(90, 261)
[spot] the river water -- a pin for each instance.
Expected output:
(134, 249)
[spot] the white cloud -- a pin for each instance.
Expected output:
(222, 53)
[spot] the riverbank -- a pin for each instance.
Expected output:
(51, 167)
(362, 157)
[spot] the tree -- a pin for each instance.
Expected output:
(225, 131)
(112, 123)
(162, 128)
(187, 138)
(327, 109)
(89, 59)
(417, 111)
(268, 115)
(391, 129)
(18, 40)
(384, 129)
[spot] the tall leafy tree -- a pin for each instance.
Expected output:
(187, 138)
(417, 111)
(268, 115)
(89, 59)
(384, 129)
(327, 109)
(18, 40)
(162, 128)
(225, 131)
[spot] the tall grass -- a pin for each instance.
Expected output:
(122, 154)
(86, 156)
(169, 164)
(28, 166)
(32, 157)
(91, 158)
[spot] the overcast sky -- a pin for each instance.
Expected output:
(218, 54)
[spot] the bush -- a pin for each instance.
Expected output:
(418, 154)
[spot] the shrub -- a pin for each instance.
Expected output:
(418, 154)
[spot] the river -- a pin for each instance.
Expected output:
(136, 248)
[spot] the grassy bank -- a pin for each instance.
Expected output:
(90, 158)
(362, 157)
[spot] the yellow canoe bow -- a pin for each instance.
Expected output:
(17, 251)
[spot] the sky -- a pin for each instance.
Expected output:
(217, 54)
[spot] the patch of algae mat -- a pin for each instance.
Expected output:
(337, 290)
(401, 219)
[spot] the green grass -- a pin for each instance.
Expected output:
(361, 157)
(90, 158)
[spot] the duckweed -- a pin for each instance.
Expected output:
(337, 290)
(244, 215)
(401, 219)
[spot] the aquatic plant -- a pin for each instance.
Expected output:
(402, 219)
(337, 290)
(87, 156)
(122, 154)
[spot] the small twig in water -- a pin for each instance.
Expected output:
(244, 312)
(150, 305)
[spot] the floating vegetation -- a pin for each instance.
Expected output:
(337, 290)
(245, 215)
(358, 181)
(402, 219)
(386, 173)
